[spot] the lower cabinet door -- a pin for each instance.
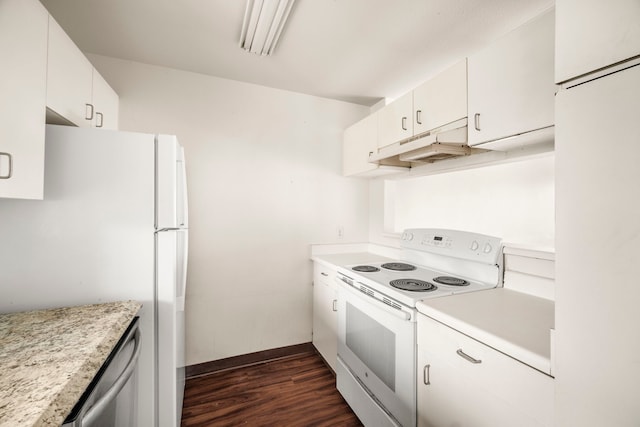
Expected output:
(325, 319)
(464, 383)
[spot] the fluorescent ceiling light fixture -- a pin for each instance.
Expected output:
(263, 24)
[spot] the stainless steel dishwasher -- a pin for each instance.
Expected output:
(111, 398)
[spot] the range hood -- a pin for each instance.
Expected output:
(442, 143)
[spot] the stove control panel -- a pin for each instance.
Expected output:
(459, 244)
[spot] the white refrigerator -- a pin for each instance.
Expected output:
(112, 226)
(596, 352)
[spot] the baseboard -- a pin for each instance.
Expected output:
(234, 362)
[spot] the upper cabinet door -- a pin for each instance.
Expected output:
(69, 79)
(395, 121)
(105, 101)
(359, 142)
(511, 84)
(23, 74)
(441, 100)
(592, 34)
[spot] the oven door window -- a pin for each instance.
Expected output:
(373, 344)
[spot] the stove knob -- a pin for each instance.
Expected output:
(487, 248)
(408, 236)
(474, 246)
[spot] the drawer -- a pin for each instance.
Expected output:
(489, 371)
(324, 274)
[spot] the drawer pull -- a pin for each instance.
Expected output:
(324, 274)
(465, 356)
(426, 375)
(335, 305)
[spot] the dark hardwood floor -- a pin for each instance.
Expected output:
(294, 391)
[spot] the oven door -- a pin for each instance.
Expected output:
(376, 343)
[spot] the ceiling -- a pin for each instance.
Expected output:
(353, 50)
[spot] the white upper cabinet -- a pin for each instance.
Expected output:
(437, 102)
(441, 100)
(69, 78)
(23, 74)
(511, 83)
(106, 103)
(593, 34)
(359, 141)
(395, 121)
(76, 92)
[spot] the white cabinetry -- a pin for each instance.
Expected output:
(76, 93)
(325, 316)
(396, 121)
(359, 141)
(511, 84)
(441, 100)
(437, 102)
(106, 103)
(592, 34)
(23, 73)
(465, 383)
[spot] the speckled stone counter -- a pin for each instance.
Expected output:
(49, 357)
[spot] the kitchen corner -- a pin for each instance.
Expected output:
(49, 357)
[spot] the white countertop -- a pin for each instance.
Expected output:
(514, 323)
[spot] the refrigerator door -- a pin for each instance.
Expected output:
(171, 184)
(597, 257)
(170, 263)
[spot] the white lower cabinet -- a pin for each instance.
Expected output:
(464, 383)
(325, 315)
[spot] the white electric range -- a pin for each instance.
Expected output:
(376, 368)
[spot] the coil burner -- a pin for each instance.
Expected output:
(398, 266)
(413, 285)
(365, 268)
(450, 280)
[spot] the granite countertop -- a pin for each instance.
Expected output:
(49, 357)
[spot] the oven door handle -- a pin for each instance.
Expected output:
(376, 302)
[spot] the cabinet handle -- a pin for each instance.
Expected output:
(335, 305)
(418, 112)
(8, 175)
(99, 122)
(404, 123)
(476, 121)
(88, 112)
(324, 274)
(426, 377)
(465, 356)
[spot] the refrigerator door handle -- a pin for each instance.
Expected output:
(181, 189)
(181, 279)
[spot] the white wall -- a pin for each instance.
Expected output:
(264, 182)
(514, 201)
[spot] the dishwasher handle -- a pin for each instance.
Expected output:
(91, 415)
